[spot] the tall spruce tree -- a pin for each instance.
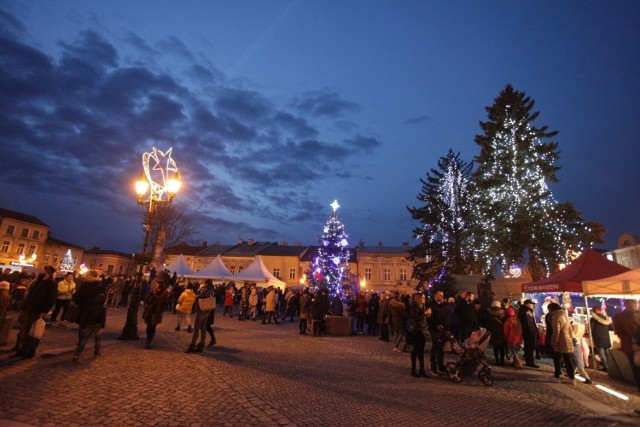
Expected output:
(446, 221)
(331, 266)
(518, 218)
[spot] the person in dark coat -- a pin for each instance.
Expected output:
(529, 331)
(373, 308)
(438, 324)
(466, 315)
(154, 304)
(600, 325)
(418, 315)
(494, 324)
(39, 300)
(627, 329)
(92, 314)
(319, 309)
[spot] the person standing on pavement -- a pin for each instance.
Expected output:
(91, 300)
(361, 312)
(466, 315)
(626, 327)
(529, 331)
(418, 314)
(200, 324)
(154, 304)
(39, 300)
(398, 321)
(253, 303)
(229, 296)
(561, 341)
(600, 325)
(494, 323)
(270, 307)
(185, 306)
(5, 300)
(384, 315)
(512, 336)
(210, 321)
(437, 326)
(319, 309)
(66, 289)
(305, 310)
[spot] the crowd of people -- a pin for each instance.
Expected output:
(408, 321)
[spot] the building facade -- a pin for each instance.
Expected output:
(628, 251)
(23, 239)
(108, 262)
(55, 252)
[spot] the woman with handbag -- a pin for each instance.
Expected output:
(154, 304)
(205, 302)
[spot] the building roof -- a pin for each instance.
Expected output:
(384, 249)
(278, 250)
(98, 251)
(6, 213)
(54, 241)
(184, 249)
(248, 248)
(312, 253)
(215, 249)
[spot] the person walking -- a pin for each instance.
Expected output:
(270, 307)
(154, 304)
(600, 325)
(91, 300)
(384, 315)
(39, 300)
(626, 327)
(512, 336)
(210, 321)
(202, 314)
(184, 307)
(66, 289)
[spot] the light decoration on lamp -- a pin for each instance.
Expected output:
(161, 175)
(330, 267)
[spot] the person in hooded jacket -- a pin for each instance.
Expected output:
(512, 336)
(600, 325)
(91, 300)
(154, 304)
(494, 323)
(561, 340)
(185, 306)
(200, 324)
(253, 303)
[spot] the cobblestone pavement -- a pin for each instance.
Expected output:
(267, 375)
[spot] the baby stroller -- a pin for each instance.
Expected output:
(471, 353)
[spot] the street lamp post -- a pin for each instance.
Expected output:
(162, 182)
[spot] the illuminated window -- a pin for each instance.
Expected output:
(32, 250)
(47, 255)
(20, 248)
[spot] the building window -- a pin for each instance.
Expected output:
(11, 229)
(292, 273)
(239, 269)
(47, 255)
(367, 273)
(232, 269)
(110, 270)
(32, 250)
(36, 234)
(25, 232)
(403, 274)
(6, 244)
(121, 270)
(55, 258)
(276, 272)
(20, 249)
(387, 274)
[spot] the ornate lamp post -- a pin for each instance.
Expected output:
(159, 184)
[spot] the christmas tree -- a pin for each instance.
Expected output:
(67, 262)
(446, 221)
(329, 269)
(518, 218)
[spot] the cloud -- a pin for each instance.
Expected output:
(418, 120)
(78, 123)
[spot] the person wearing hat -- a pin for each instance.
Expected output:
(494, 323)
(39, 300)
(601, 324)
(270, 307)
(529, 331)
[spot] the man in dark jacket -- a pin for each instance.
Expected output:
(92, 314)
(529, 331)
(319, 308)
(466, 314)
(40, 298)
(437, 325)
(600, 326)
(627, 329)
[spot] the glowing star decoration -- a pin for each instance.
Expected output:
(514, 272)
(344, 242)
(334, 205)
(159, 168)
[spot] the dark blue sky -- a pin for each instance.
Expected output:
(276, 108)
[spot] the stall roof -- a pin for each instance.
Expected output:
(591, 265)
(625, 284)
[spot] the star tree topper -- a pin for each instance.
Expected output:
(334, 205)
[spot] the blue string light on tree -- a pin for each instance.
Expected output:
(330, 267)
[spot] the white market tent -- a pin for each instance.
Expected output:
(180, 267)
(618, 286)
(257, 272)
(215, 270)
